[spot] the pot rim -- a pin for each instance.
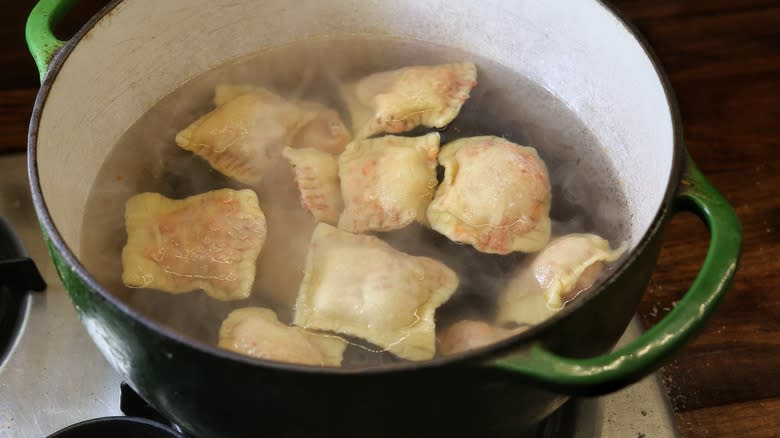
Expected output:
(477, 355)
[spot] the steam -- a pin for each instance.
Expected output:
(505, 104)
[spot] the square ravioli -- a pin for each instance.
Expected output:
(208, 241)
(468, 335)
(399, 100)
(387, 182)
(565, 267)
(321, 128)
(495, 196)
(317, 176)
(360, 286)
(224, 93)
(257, 332)
(243, 137)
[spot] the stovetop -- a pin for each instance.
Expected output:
(53, 375)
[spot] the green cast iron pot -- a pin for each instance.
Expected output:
(97, 84)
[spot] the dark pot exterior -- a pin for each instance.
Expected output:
(213, 396)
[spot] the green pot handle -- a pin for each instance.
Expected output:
(639, 358)
(39, 31)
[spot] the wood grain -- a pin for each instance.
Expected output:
(15, 109)
(723, 59)
(758, 420)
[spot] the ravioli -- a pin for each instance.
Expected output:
(399, 100)
(208, 241)
(495, 196)
(243, 137)
(387, 182)
(468, 335)
(321, 128)
(226, 92)
(257, 332)
(360, 286)
(317, 175)
(567, 266)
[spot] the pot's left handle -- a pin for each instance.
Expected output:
(40, 31)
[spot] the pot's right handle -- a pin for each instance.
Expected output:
(639, 358)
(39, 31)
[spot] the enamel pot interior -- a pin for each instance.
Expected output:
(138, 52)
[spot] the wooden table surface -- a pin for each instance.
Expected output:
(723, 58)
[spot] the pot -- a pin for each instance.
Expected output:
(97, 84)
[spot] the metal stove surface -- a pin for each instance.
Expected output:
(54, 375)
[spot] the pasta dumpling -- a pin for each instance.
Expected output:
(566, 267)
(399, 100)
(225, 93)
(468, 335)
(208, 241)
(321, 128)
(360, 286)
(317, 175)
(243, 137)
(387, 182)
(495, 196)
(257, 332)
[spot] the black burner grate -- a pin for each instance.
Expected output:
(18, 275)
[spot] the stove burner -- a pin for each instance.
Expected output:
(141, 420)
(18, 275)
(561, 423)
(116, 427)
(132, 405)
(17, 271)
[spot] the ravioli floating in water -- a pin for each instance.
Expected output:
(387, 182)
(397, 101)
(468, 334)
(208, 241)
(495, 196)
(396, 235)
(566, 267)
(321, 128)
(360, 286)
(226, 92)
(243, 137)
(317, 176)
(257, 332)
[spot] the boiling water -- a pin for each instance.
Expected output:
(586, 194)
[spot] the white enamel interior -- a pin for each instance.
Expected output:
(143, 50)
